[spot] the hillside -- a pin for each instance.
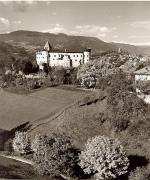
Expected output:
(32, 41)
(133, 49)
(11, 53)
(118, 114)
(20, 46)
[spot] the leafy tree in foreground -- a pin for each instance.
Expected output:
(54, 156)
(21, 143)
(104, 157)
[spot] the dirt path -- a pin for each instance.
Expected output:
(18, 159)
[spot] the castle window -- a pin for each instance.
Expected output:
(77, 55)
(81, 55)
(73, 55)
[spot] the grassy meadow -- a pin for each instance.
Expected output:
(18, 109)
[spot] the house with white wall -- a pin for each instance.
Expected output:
(59, 58)
(142, 74)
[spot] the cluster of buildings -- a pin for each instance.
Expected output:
(75, 59)
(65, 59)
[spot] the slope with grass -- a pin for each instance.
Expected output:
(18, 109)
(78, 120)
(13, 169)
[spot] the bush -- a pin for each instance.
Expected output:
(39, 143)
(58, 74)
(104, 157)
(140, 174)
(54, 155)
(21, 143)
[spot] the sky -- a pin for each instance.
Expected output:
(110, 21)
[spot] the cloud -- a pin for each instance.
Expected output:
(4, 21)
(54, 13)
(119, 17)
(48, 2)
(56, 28)
(7, 23)
(17, 22)
(22, 5)
(115, 36)
(141, 44)
(18, 1)
(140, 24)
(133, 43)
(121, 42)
(81, 30)
(19, 5)
(93, 30)
(132, 37)
(139, 37)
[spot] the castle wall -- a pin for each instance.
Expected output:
(65, 59)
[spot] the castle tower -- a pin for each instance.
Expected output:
(87, 55)
(47, 47)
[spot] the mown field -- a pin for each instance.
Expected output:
(18, 109)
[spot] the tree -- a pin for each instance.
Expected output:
(87, 75)
(54, 155)
(58, 74)
(21, 142)
(45, 68)
(28, 67)
(105, 157)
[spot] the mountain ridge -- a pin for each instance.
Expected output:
(63, 41)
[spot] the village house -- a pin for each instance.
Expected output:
(65, 59)
(142, 74)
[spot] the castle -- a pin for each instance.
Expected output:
(65, 59)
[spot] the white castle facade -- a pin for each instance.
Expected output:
(65, 59)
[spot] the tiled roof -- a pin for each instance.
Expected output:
(145, 70)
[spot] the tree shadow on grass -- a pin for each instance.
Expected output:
(8, 136)
(16, 172)
(135, 161)
(23, 127)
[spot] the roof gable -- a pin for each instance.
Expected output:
(145, 70)
(47, 46)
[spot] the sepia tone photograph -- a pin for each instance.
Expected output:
(75, 90)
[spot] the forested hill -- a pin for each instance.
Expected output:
(35, 40)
